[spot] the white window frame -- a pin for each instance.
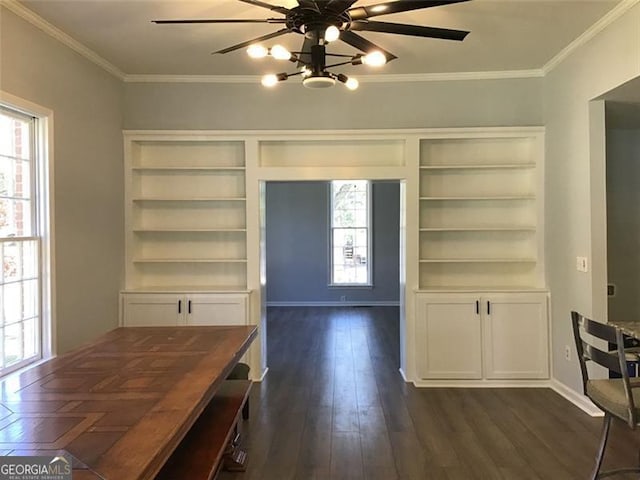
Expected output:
(369, 228)
(43, 194)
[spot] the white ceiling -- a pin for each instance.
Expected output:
(506, 35)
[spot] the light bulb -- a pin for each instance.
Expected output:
(305, 71)
(257, 51)
(270, 80)
(374, 59)
(331, 34)
(280, 53)
(352, 83)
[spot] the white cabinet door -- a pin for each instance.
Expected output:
(449, 333)
(516, 336)
(146, 310)
(216, 309)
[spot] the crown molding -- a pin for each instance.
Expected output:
(39, 22)
(623, 7)
(401, 78)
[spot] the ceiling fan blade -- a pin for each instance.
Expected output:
(339, 6)
(254, 40)
(268, 6)
(386, 8)
(413, 30)
(363, 44)
(221, 20)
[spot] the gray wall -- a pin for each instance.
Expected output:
(623, 214)
(88, 173)
(575, 216)
(297, 240)
(468, 103)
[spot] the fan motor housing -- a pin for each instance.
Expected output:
(306, 20)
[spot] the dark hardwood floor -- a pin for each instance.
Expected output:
(334, 406)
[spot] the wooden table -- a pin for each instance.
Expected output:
(122, 404)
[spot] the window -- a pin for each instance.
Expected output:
(20, 245)
(350, 232)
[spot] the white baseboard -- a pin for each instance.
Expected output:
(333, 304)
(404, 376)
(261, 377)
(482, 383)
(579, 400)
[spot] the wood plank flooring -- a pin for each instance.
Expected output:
(334, 406)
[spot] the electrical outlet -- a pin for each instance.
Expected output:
(581, 264)
(567, 353)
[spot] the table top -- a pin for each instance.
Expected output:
(628, 328)
(121, 404)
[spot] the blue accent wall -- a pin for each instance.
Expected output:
(297, 242)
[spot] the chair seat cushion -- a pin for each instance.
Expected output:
(609, 395)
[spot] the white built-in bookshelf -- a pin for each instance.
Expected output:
(479, 210)
(186, 215)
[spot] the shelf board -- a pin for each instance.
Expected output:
(189, 289)
(189, 260)
(497, 166)
(189, 169)
(481, 288)
(478, 260)
(524, 228)
(189, 230)
(479, 198)
(194, 199)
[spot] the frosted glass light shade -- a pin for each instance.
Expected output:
(280, 53)
(374, 59)
(270, 80)
(257, 51)
(331, 34)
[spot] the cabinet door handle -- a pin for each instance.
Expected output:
(179, 306)
(488, 307)
(189, 306)
(477, 307)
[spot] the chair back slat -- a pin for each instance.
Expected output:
(604, 359)
(599, 330)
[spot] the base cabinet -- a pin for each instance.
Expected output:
(482, 336)
(448, 338)
(171, 309)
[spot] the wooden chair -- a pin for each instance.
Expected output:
(618, 397)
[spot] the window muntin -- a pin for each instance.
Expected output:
(350, 232)
(20, 319)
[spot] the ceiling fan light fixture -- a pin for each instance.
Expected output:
(380, 8)
(257, 51)
(319, 81)
(374, 59)
(322, 22)
(271, 80)
(350, 82)
(280, 53)
(331, 34)
(305, 72)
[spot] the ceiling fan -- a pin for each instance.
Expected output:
(324, 21)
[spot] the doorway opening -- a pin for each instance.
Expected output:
(305, 248)
(622, 119)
